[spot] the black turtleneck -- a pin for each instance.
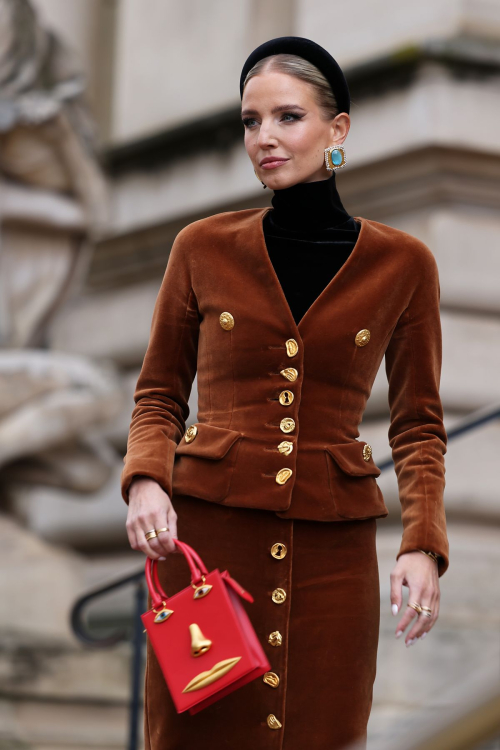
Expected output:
(309, 236)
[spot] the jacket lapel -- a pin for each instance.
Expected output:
(264, 260)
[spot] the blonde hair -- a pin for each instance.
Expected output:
(294, 65)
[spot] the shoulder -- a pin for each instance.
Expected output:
(218, 226)
(403, 246)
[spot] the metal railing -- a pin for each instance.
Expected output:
(482, 721)
(79, 627)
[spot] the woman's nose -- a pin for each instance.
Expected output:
(266, 136)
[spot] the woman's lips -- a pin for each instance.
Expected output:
(274, 164)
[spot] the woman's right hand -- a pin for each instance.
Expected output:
(149, 508)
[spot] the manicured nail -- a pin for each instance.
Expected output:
(424, 634)
(399, 634)
(394, 609)
(411, 642)
(162, 558)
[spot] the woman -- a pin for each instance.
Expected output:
(285, 314)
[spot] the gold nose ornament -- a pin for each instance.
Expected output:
(226, 320)
(199, 644)
(362, 337)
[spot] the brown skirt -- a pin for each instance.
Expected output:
(328, 623)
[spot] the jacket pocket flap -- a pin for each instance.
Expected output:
(209, 442)
(349, 456)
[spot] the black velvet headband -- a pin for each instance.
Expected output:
(309, 50)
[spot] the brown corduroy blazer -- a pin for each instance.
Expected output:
(279, 405)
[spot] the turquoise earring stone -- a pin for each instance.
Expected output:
(336, 157)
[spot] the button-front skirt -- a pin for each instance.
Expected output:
(327, 624)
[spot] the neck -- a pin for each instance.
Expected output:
(309, 205)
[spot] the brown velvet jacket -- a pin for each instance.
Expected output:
(279, 405)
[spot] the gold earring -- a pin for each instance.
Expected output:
(335, 157)
(257, 176)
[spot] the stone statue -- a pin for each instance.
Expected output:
(53, 205)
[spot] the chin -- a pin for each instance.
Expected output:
(279, 182)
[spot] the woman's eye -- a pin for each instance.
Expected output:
(247, 122)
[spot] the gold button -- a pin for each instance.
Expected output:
(362, 337)
(286, 398)
(273, 723)
(292, 347)
(290, 373)
(278, 596)
(190, 433)
(275, 638)
(279, 550)
(226, 320)
(287, 424)
(272, 679)
(283, 475)
(367, 452)
(285, 447)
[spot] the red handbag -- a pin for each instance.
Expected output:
(202, 637)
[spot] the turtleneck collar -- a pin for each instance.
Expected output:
(309, 205)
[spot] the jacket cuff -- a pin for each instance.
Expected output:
(159, 469)
(439, 546)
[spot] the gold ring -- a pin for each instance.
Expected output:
(415, 606)
(151, 534)
(426, 614)
(427, 609)
(164, 529)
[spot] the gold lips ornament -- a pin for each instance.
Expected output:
(206, 678)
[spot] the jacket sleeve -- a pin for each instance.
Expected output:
(165, 381)
(417, 436)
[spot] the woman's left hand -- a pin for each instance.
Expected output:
(420, 573)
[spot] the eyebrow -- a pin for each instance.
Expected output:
(279, 108)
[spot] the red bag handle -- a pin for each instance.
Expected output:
(225, 575)
(197, 558)
(158, 595)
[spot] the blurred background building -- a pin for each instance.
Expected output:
(119, 124)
